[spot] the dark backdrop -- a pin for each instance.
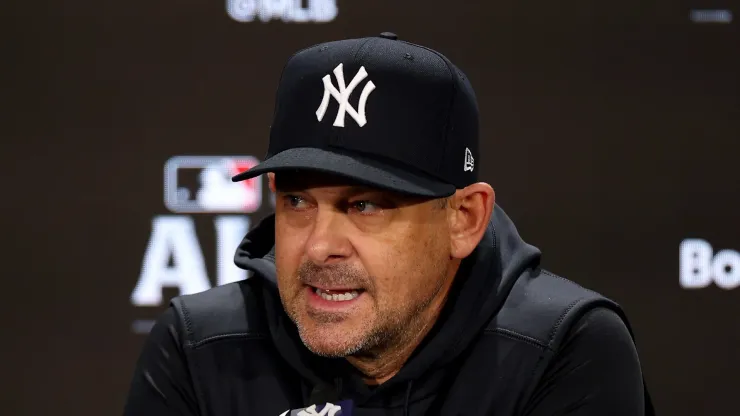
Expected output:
(609, 132)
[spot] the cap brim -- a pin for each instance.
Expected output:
(362, 169)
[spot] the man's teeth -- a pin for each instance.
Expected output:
(338, 296)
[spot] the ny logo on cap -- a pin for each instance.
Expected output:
(342, 96)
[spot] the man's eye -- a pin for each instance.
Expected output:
(295, 201)
(365, 207)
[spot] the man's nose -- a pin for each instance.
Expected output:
(328, 242)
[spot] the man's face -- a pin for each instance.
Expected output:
(357, 268)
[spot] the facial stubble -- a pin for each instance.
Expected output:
(390, 328)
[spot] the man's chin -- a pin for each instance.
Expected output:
(331, 339)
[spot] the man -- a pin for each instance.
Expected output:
(388, 281)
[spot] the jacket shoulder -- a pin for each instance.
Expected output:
(542, 306)
(541, 309)
(226, 311)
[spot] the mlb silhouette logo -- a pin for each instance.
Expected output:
(202, 184)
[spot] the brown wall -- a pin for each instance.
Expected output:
(610, 133)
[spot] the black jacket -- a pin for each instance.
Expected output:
(513, 339)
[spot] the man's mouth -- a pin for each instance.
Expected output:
(337, 295)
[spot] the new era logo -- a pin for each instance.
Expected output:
(200, 184)
(469, 161)
(342, 95)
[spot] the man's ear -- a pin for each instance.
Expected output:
(271, 181)
(469, 213)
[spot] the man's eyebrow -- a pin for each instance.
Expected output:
(350, 190)
(387, 196)
(359, 189)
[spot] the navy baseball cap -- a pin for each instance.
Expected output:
(383, 112)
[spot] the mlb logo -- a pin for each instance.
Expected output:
(202, 184)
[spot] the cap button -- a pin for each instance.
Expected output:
(389, 35)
